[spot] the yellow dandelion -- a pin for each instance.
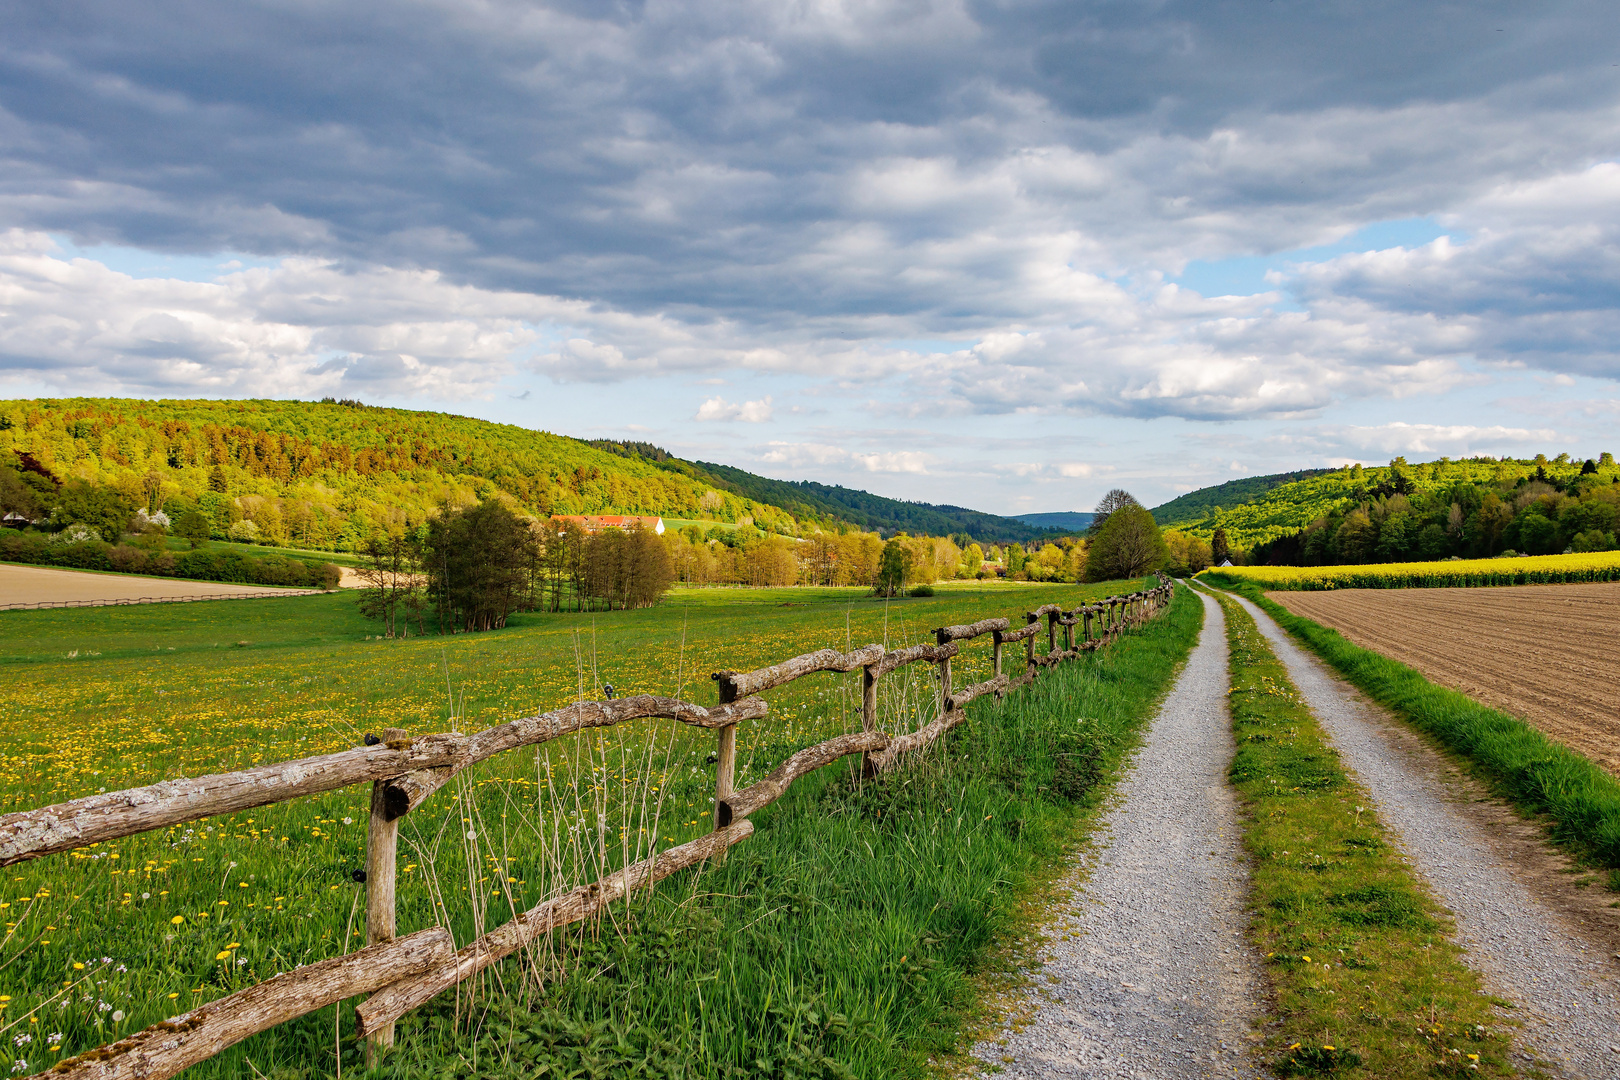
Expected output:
(178, 919)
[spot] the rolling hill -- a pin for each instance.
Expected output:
(1069, 521)
(324, 475)
(1196, 505)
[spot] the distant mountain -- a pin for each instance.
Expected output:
(1070, 521)
(806, 499)
(1196, 505)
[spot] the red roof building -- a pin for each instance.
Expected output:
(595, 523)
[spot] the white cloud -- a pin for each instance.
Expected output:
(749, 412)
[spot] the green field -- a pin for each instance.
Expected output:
(115, 697)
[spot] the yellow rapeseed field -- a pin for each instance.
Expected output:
(1523, 570)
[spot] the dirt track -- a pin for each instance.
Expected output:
(1548, 653)
(39, 584)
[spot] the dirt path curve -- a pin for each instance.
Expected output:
(25, 585)
(1149, 972)
(1562, 979)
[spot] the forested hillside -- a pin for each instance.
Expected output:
(327, 475)
(1428, 510)
(1196, 505)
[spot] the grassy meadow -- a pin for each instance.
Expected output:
(797, 957)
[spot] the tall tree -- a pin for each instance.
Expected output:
(1220, 548)
(1114, 500)
(1128, 546)
(391, 571)
(479, 561)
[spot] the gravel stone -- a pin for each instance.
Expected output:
(1525, 951)
(1149, 974)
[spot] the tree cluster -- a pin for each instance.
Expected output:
(1539, 513)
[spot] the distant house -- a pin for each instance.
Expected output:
(1224, 564)
(595, 523)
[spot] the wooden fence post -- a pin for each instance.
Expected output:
(942, 638)
(382, 849)
(725, 772)
(868, 716)
(1085, 633)
(995, 641)
(1029, 645)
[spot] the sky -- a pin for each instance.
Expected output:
(1005, 254)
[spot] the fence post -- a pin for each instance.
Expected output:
(725, 774)
(382, 847)
(1029, 645)
(940, 638)
(868, 716)
(1051, 632)
(1085, 633)
(1068, 633)
(995, 639)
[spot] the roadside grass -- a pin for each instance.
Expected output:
(1363, 970)
(1540, 776)
(167, 920)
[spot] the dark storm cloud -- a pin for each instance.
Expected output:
(603, 191)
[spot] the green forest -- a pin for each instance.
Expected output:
(328, 475)
(1401, 512)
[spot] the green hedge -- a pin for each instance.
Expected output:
(200, 565)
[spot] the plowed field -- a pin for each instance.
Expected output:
(1547, 653)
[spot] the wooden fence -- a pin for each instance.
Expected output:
(124, 601)
(403, 973)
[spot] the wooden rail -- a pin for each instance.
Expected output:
(404, 973)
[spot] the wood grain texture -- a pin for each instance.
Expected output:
(399, 998)
(943, 634)
(182, 1041)
(959, 698)
(916, 653)
(739, 684)
(766, 791)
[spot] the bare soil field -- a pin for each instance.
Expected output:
(42, 584)
(1547, 653)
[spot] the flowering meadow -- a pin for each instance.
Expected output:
(107, 939)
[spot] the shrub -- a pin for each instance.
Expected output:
(922, 590)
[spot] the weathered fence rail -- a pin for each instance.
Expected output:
(127, 601)
(403, 973)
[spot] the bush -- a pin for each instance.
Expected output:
(922, 590)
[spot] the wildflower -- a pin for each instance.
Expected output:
(118, 1016)
(223, 954)
(19, 1066)
(21, 1038)
(78, 966)
(174, 995)
(178, 919)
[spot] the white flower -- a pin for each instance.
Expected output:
(103, 1006)
(348, 821)
(472, 834)
(241, 962)
(118, 1016)
(22, 1037)
(19, 1065)
(56, 1038)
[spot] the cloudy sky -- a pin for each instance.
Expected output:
(1000, 253)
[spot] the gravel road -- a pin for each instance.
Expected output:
(1149, 973)
(1565, 988)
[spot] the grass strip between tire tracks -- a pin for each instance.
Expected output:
(1537, 774)
(1364, 974)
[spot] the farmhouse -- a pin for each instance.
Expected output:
(595, 523)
